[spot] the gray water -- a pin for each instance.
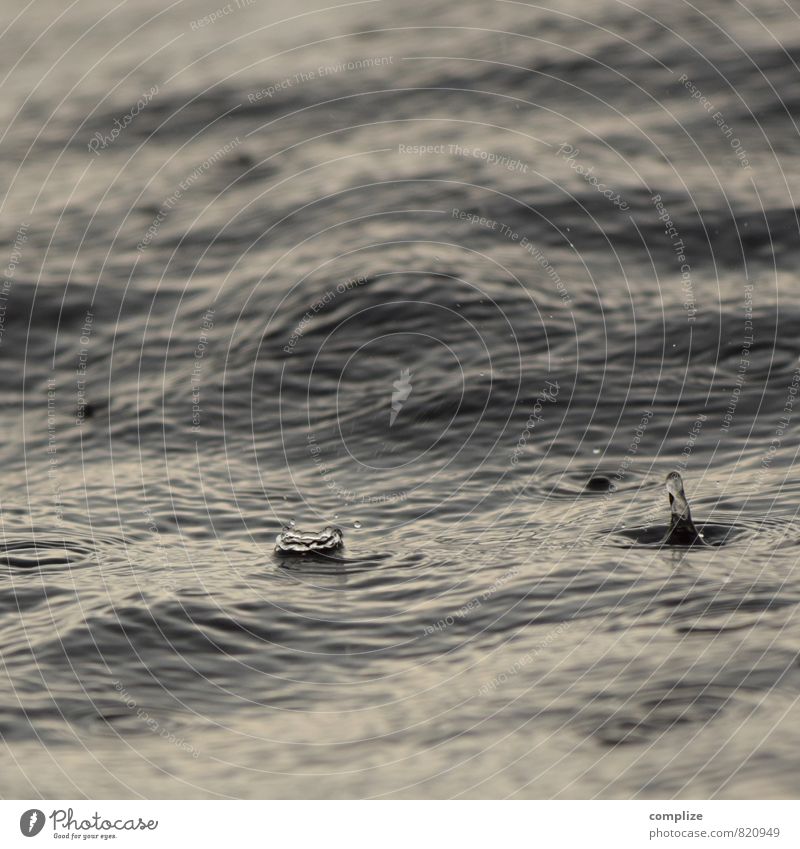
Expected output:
(427, 272)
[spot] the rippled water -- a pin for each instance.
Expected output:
(465, 280)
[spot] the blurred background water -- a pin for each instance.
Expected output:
(464, 279)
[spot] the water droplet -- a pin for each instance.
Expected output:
(356, 524)
(595, 450)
